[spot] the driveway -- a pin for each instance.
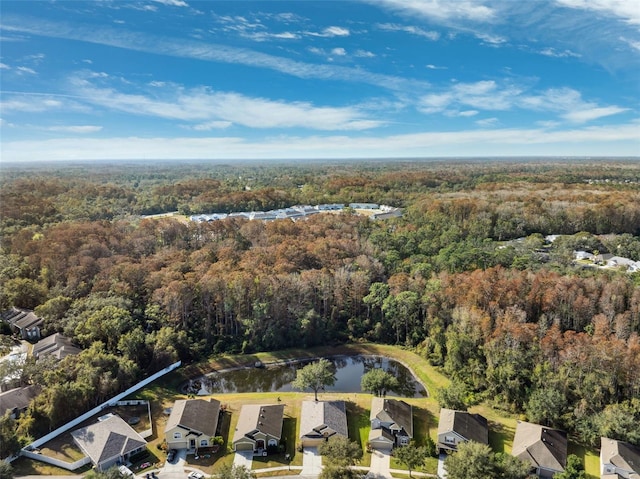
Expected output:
(311, 462)
(380, 461)
(442, 473)
(243, 458)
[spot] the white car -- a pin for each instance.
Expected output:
(195, 475)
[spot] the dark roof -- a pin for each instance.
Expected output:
(18, 398)
(541, 446)
(196, 415)
(472, 427)
(256, 418)
(107, 439)
(394, 411)
(21, 318)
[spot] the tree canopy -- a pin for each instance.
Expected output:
(378, 381)
(315, 376)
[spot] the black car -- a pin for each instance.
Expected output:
(171, 455)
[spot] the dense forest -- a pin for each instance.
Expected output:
(467, 276)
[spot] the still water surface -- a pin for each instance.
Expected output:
(348, 372)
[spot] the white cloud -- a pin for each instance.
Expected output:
(394, 27)
(75, 129)
(468, 113)
(491, 39)
(204, 105)
(29, 104)
(27, 70)
(627, 10)
(339, 52)
(335, 32)
(4, 66)
(552, 52)
(442, 9)
(612, 140)
(490, 96)
(364, 54)
(173, 3)
(487, 122)
(210, 125)
(635, 44)
(435, 67)
(588, 114)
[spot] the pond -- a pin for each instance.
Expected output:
(348, 372)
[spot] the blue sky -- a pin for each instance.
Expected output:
(182, 79)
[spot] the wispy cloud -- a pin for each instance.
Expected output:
(4, 66)
(435, 67)
(394, 27)
(488, 95)
(84, 129)
(442, 9)
(23, 70)
(205, 106)
(491, 39)
(627, 10)
(173, 3)
(178, 47)
(635, 44)
(487, 122)
(552, 52)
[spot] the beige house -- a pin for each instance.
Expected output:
(320, 420)
(391, 423)
(109, 442)
(619, 459)
(455, 427)
(192, 424)
(545, 448)
(259, 428)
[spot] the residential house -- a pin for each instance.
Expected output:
(455, 427)
(56, 345)
(17, 400)
(259, 428)
(320, 420)
(391, 423)
(23, 322)
(619, 459)
(192, 424)
(108, 442)
(545, 448)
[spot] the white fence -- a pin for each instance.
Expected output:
(44, 439)
(69, 466)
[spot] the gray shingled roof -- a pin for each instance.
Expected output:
(18, 398)
(196, 415)
(394, 411)
(318, 415)
(472, 427)
(259, 417)
(621, 454)
(107, 439)
(55, 345)
(541, 446)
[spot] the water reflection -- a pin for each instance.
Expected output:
(348, 371)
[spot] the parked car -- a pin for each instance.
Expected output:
(195, 475)
(171, 455)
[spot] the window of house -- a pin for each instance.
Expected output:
(203, 442)
(177, 435)
(273, 442)
(449, 440)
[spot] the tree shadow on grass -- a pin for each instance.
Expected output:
(499, 436)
